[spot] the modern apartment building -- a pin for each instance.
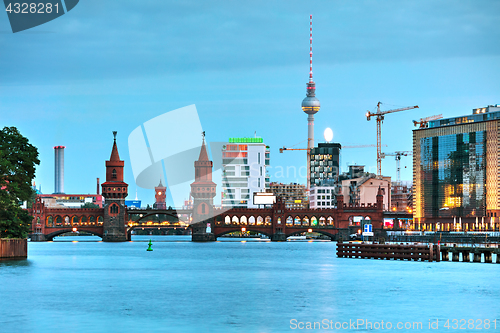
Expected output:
(324, 164)
(293, 194)
(244, 162)
(456, 172)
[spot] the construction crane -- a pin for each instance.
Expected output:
(380, 117)
(343, 147)
(398, 155)
(423, 122)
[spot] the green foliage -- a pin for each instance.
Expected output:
(90, 205)
(17, 169)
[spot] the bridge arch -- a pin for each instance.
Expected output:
(243, 219)
(235, 219)
(305, 221)
(251, 220)
(225, 232)
(329, 234)
(50, 237)
(49, 221)
(268, 220)
(227, 220)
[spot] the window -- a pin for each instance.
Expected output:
(113, 174)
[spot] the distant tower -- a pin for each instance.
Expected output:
(310, 105)
(59, 169)
(203, 188)
(114, 190)
(160, 196)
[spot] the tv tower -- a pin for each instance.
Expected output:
(310, 105)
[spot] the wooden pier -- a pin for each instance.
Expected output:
(420, 252)
(415, 252)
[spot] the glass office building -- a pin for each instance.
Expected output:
(456, 171)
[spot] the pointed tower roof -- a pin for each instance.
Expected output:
(114, 152)
(203, 152)
(160, 185)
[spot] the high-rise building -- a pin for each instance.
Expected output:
(456, 172)
(325, 164)
(293, 194)
(244, 162)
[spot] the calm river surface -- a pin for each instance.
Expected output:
(234, 286)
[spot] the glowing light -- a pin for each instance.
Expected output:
(243, 229)
(328, 134)
(309, 230)
(74, 229)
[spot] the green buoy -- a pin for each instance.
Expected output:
(149, 247)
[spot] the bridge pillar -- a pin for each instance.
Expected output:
(202, 232)
(278, 237)
(114, 229)
(446, 255)
(477, 256)
(487, 257)
(455, 255)
(38, 237)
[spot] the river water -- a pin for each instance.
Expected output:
(78, 285)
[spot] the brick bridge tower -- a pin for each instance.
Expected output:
(160, 196)
(114, 190)
(203, 193)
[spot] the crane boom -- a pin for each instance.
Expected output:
(380, 117)
(398, 155)
(424, 121)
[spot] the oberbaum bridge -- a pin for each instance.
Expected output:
(113, 221)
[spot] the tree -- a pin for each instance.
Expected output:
(89, 205)
(17, 169)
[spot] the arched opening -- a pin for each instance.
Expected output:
(314, 221)
(330, 220)
(305, 221)
(278, 220)
(74, 220)
(49, 221)
(58, 221)
(251, 220)
(113, 174)
(289, 221)
(268, 220)
(243, 219)
(83, 220)
(235, 220)
(296, 221)
(260, 220)
(100, 220)
(322, 221)
(92, 220)
(227, 220)
(66, 221)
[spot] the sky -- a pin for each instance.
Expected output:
(108, 66)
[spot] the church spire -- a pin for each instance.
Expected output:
(114, 152)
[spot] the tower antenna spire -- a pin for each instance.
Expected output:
(311, 48)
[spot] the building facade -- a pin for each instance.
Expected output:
(293, 195)
(324, 164)
(360, 191)
(244, 162)
(322, 197)
(456, 172)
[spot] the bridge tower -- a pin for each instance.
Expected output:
(160, 196)
(203, 193)
(114, 190)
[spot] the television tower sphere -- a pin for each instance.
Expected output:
(328, 135)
